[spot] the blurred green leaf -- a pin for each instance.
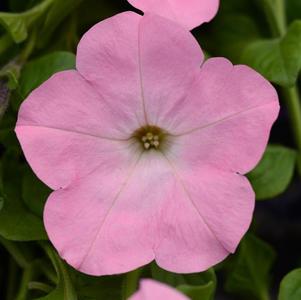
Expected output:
(17, 222)
(239, 30)
(197, 286)
(279, 60)
(237, 24)
(4, 96)
(201, 292)
(45, 16)
(293, 9)
(94, 288)
(290, 286)
(274, 172)
(34, 192)
(18, 24)
(249, 275)
(20, 5)
(64, 289)
(39, 70)
(58, 12)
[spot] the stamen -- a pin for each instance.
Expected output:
(151, 137)
(150, 140)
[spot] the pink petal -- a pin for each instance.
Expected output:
(170, 59)
(108, 57)
(106, 223)
(188, 13)
(65, 129)
(126, 214)
(205, 217)
(153, 290)
(125, 64)
(231, 111)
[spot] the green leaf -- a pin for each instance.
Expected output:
(37, 71)
(197, 286)
(64, 289)
(46, 16)
(239, 30)
(293, 9)
(274, 173)
(241, 23)
(201, 292)
(94, 288)
(249, 275)
(34, 192)
(279, 60)
(17, 222)
(290, 286)
(18, 24)
(4, 96)
(58, 12)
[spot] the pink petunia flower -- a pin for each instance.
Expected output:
(145, 146)
(153, 290)
(188, 13)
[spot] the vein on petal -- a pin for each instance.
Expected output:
(75, 131)
(140, 73)
(177, 176)
(114, 201)
(229, 117)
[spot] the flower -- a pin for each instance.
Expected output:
(145, 146)
(151, 290)
(188, 13)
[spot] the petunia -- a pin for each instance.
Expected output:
(145, 145)
(153, 290)
(188, 13)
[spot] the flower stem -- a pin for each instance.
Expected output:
(292, 100)
(275, 10)
(12, 279)
(28, 274)
(13, 249)
(130, 283)
(41, 286)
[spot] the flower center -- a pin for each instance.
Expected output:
(151, 137)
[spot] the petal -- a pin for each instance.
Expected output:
(188, 13)
(204, 220)
(170, 58)
(231, 111)
(65, 129)
(106, 223)
(150, 290)
(107, 56)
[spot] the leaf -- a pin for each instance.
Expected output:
(4, 96)
(18, 24)
(197, 286)
(64, 289)
(249, 275)
(274, 172)
(239, 30)
(58, 12)
(94, 288)
(46, 16)
(37, 71)
(241, 22)
(34, 192)
(293, 9)
(279, 60)
(201, 292)
(290, 286)
(17, 222)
